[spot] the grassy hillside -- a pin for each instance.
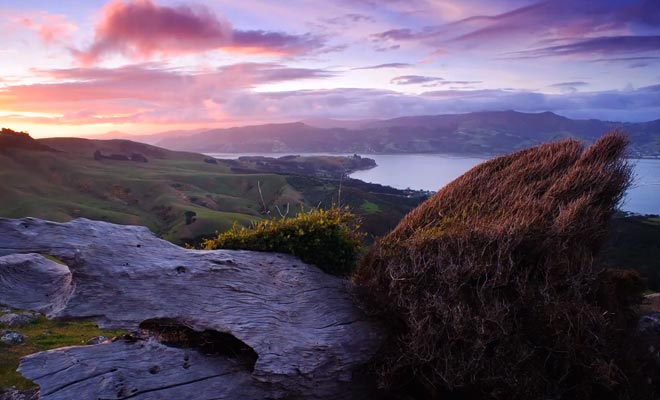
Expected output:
(62, 186)
(67, 182)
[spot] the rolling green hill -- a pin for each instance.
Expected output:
(60, 179)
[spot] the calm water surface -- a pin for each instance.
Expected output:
(433, 171)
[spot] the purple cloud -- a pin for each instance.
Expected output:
(572, 27)
(569, 87)
(598, 46)
(259, 41)
(405, 34)
(140, 29)
(381, 66)
(445, 83)
(569, 84)
(428, 81)
(562, 19)
(415, 80)
(625, 59)
(633, 62)
(351, 18)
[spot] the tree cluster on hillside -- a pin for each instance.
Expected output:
(137, 157)
(12, 140)
(7, 131)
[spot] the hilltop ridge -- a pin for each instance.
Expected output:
(483, 133)
(11, 140)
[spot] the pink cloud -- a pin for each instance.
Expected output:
(147, 92)
(202, 102)
(51, 28)
(141, 29)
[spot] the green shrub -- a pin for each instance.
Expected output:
(329, 239)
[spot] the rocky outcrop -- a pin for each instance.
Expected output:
(220, 324)
(11, 338)
(17, 320)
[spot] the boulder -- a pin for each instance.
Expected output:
(11, 338)
(17, 320)
(219, 324)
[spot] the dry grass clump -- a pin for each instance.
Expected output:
(490, 287)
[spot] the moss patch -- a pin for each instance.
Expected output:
(369, 208)
(43, 334)
(54, 259)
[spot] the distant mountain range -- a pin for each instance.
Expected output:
(493, 132)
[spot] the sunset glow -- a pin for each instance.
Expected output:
(75, 68)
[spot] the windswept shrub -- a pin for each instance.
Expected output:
(490, 287)
(329, 239)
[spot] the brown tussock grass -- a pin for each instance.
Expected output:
(490, 288)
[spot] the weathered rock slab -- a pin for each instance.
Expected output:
(309, 337)
(146, 370)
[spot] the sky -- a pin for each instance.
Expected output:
(73, 68)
